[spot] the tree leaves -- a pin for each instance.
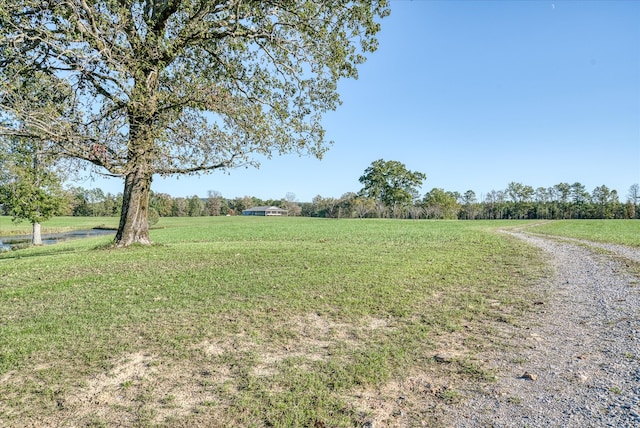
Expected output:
(237, 77)
(29, 187)
(391, 183)
(180, 86)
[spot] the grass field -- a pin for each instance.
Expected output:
(235, 321)
(56, 224)
(625, 232)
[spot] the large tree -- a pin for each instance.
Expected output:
(391, 183)
(180, 86)
(29, 186)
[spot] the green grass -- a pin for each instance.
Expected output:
(235, 321)
(625, 232)
(56, 224)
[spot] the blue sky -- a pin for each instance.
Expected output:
(475, 94)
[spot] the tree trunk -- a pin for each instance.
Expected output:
(36, 236)
(134, 225)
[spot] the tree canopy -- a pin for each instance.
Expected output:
(29, 187)
(391, 183)
(178, 86)
(440, 204)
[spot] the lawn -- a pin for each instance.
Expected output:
(56, 224)
(236, 321)
(625, 232)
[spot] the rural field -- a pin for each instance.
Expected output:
(257, 322)
(623, 232)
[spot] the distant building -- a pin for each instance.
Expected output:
(265, 211)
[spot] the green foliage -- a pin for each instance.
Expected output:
(391, 183)
(440, 204)
(29, 187)
(92, 202)
(179, 87)
(606, 201)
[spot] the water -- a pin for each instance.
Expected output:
(14, 242)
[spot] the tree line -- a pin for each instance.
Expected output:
(30, 192)
(516, 201)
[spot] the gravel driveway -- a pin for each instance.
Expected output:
(576, 362)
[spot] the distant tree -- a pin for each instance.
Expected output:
(161, 203)
(93, 202)
(79, 202)
(67, 206)
(30, 189)
(564, 190)
(195, 206)
(293, 209)
(238, 204)
(616, 207)
(580, 198)
(628, 210)
(214, 203)
(495, 205)
(520, 194)
(381, 210)
(268, 202)
(111, 204)
(469, 202)
(414, 212)
(398, 210)
(633, 197)
(391, 183)
(291, 204)
(605, 201)
(363, 206)
(561, 193)
(345, 205)
(96, 196)
(542, 199)
(179, 207)
(439, 204)
(325, 207)
(182, 86)
(307, 209)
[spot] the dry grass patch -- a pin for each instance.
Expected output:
(139, 390)
(417, 400)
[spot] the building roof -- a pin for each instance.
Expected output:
(265, 208)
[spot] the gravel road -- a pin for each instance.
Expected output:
(576, 362)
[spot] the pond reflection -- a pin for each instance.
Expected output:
(20, 241)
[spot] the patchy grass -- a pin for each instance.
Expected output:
(625, 232)
(55, 225)
(235, 321)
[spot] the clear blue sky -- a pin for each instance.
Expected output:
(475, 94)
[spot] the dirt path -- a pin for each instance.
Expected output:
(575, 363)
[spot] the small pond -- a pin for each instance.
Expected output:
(20, 241)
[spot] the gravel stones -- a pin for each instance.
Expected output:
(577, 363)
